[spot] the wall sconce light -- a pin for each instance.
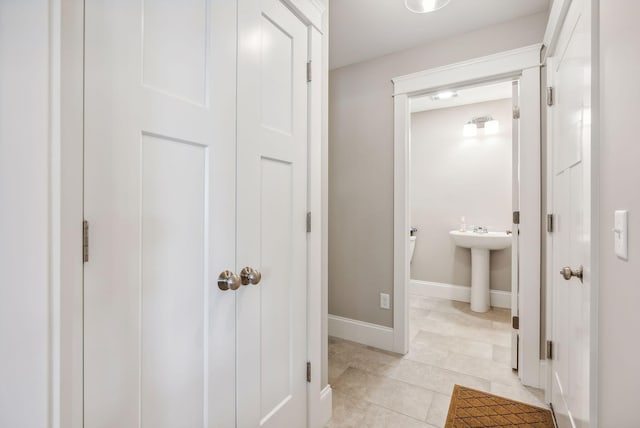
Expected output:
(488, 123)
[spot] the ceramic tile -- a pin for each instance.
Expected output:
(379, 417)
(450, 345)
(347, 411)
(500, 325)
(374, 361)
(393, 394)
(462, 319)
(401, 397)
(336, 367)
(442, 380)
(453, 344)
(427, 353)
(502, 355)
(435, 378)
(439, 409)
(482, 368)
(519, 393)
(354, 382)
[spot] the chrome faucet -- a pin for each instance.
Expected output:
(413, 231)
(480, 229)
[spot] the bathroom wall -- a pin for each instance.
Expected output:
(454, 176)
(361, 161)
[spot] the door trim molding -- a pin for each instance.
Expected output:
(557, 15)
(66, 36)
(523, 62)
(318, 391)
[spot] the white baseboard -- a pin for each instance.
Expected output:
(326, 404)
(499, 299)
(361, 332)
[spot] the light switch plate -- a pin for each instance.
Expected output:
(620, 234)
(384, 301)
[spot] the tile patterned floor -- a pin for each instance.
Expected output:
(449, 345)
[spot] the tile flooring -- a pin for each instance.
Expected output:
(449, 345)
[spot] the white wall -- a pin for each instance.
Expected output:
(24, 215)
(619, 294)
(361, 161)
(454, 176)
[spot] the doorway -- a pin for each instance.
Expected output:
(463, 248)
(520, 65)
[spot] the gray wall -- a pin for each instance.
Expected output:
(619, 293)
(361, 161)
(454, 176)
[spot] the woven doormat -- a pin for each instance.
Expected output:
(471, 408)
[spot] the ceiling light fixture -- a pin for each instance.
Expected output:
(444, 95)
(425, 6)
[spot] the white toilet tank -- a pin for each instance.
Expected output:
(412, 247)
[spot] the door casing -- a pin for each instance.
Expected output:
(522, 62)
(66, 303)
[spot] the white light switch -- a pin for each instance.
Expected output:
(620, 234)
(384, 301)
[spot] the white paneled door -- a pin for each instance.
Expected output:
(272, 189)
(569, 72)
(195, 163)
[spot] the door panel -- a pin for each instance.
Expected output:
(272, 205)
(172, 327)
(174, 48)
(570, 75)
(160, 201)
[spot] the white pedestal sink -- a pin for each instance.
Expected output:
(480, 244)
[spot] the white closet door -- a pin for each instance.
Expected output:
(570, 119)
(272, 201)
(160, 201)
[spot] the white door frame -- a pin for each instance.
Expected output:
(557, 16)
(525, 63)
(66, 28)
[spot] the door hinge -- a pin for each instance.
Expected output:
(85, 241)
(308, 371)
(549, 350)
(309, 222)
(516, 217)
(516, 112)
(550, 223)
(550, 96)
(515, 323)
(308, 71)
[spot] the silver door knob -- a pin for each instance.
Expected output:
(250, 276)
(567, 273)
(228, 281)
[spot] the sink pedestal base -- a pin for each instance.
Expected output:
(480, 297)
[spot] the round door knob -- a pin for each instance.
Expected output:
(567, 273)
(228, 281)
(250, 276)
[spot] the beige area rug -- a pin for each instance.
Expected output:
(477, 409)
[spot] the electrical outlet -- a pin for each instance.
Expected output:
(384, 301)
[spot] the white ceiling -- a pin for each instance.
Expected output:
(365, 29)
(473, 95)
